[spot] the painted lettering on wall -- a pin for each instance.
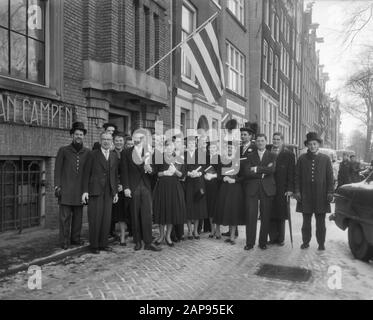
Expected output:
(35, 112)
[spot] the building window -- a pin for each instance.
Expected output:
(266, 12)
(265, 60)
(137, 35)
(183, 121)
(156, 44)
(277, 29)
(237, 7)
(147, 37)
(270, 68)
(188, 25)
(273, 23)
(269, 117)
(275, 74)
(236, 70)
(23, 40)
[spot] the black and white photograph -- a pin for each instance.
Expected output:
(209, 152)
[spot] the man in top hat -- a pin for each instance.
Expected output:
(314, 189)
(68, 178)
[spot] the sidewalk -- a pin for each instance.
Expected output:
(33, 247)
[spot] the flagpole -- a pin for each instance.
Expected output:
(183, 42)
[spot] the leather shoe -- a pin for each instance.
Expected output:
(281, 244)
(248, 247)
(170, 244)
(304, 246)
(263, 247)
(138, 246)
(77, 243)
(95, 251)
(107, 249)
(321, 247)
(65, 246)
(152, 247)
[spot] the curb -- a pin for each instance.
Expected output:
(45, 260)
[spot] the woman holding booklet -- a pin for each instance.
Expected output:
(230, 202)
(195, 190)
(212, 183)
(168, 198)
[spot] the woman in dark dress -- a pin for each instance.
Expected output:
(212, 183)
(168, 198)
(195, 191)
(120, 211)
(230, 201)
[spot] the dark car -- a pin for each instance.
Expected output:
(354, 210)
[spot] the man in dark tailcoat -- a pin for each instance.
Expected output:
(259, 185)
(136, 174)
(314, 189)
(344, 176)
(284, 177)
(100, 192)
(68, 179)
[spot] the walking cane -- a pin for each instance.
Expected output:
(289, 215)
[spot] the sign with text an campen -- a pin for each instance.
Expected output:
(34, 112)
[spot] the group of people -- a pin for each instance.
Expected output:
(350, 170)
(194, 181)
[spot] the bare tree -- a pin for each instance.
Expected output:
(357, 143)
(360, 85)
(358, 19)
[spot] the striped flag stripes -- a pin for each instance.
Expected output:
(203, 54)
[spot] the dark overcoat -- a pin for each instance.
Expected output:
(344, 176)
(133, 172)
(68, 174)
(314, 181)
(284, 177)
(96, 173)
(264, 177)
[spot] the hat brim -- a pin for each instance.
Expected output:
(307, 141)
(72, 131)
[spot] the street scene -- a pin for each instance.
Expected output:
(186, 150)
(204, 270)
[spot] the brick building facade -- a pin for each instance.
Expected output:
(85, 61)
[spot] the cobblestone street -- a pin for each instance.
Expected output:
(205, 269)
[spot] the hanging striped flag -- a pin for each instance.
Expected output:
(202, 51)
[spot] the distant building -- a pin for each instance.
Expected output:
(190, 107)
(77, 61)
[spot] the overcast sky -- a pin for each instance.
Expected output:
(339, 58)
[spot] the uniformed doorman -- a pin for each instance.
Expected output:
(314, 189)
(68, 178)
